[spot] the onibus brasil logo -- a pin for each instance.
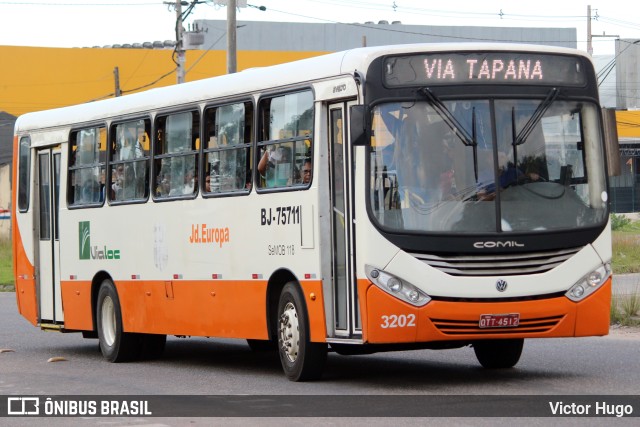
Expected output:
(86, 251)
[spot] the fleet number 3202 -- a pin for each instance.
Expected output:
(398, 321)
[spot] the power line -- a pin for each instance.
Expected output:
(612, 63)
(395, 30)
(399, 8)
(123, 92)
(149, 84)
(34, 3)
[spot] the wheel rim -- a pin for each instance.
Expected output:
(108, 315)
(290, 332)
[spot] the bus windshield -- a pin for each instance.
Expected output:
(486, 166)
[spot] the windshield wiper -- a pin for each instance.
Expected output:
(449, 119)
(455, 126)
(535, 117)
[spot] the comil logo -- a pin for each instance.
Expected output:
(84, 242)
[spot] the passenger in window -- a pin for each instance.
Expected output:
(190, 182)
(275, 167)
(91, 190)
(212, 180)
(306, 171)
(164, 184)
(182, 185)
(130, 149)
(117, 185)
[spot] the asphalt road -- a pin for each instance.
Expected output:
(201, 366)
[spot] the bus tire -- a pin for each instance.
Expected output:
(498, 354)
(301, 359)
(115, 344)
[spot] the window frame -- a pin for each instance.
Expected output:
(24, 173)
(114, 163)
(247, 146)
(263, 140)
(157, 156)
(72, 168)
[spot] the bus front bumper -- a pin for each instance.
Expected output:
(389, 320)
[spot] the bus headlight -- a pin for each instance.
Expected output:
(589, 283)
(397, 287)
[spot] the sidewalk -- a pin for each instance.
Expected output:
(626, 284)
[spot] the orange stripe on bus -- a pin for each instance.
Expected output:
(593, 316)
(363, 286)
(232, 309)
(23, 270)
(390, 320)
(218, 308)
(315, 308)
(76, 303)
(237, 309)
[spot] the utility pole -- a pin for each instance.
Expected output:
(590, 36)
(232, 66)
(179, 44)
(116, 77)
(589, 44)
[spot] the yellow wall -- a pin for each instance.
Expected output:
(628, 124)
(33, 78)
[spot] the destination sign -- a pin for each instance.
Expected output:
(484, 68)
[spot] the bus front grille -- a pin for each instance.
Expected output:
(471, 327)
(497, 265)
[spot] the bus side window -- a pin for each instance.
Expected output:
(227, 150)
(286, 131)
(87, 167)
(177, 143)
(130, 161)
(24, 184)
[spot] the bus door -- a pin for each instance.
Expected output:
(345, 298)
(48, 254)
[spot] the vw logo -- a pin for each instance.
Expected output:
(501, 285)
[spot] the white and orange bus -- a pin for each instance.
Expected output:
(383, 198)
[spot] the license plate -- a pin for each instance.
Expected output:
(499, 320)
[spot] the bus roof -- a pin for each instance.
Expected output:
(249, 81)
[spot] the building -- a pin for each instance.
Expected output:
(6, 151)
(43, 78)
(264, 36)
(625, 66)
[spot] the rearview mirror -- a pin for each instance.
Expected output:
(357, 125)
(611, 141)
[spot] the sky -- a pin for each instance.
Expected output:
(88, 23)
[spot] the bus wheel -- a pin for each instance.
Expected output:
(301, 359)
(115, 345)
(498, 354)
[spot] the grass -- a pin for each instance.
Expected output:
(625, 245)
(625, 308)
(626, 253)
(626, 259)
(6, 267)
